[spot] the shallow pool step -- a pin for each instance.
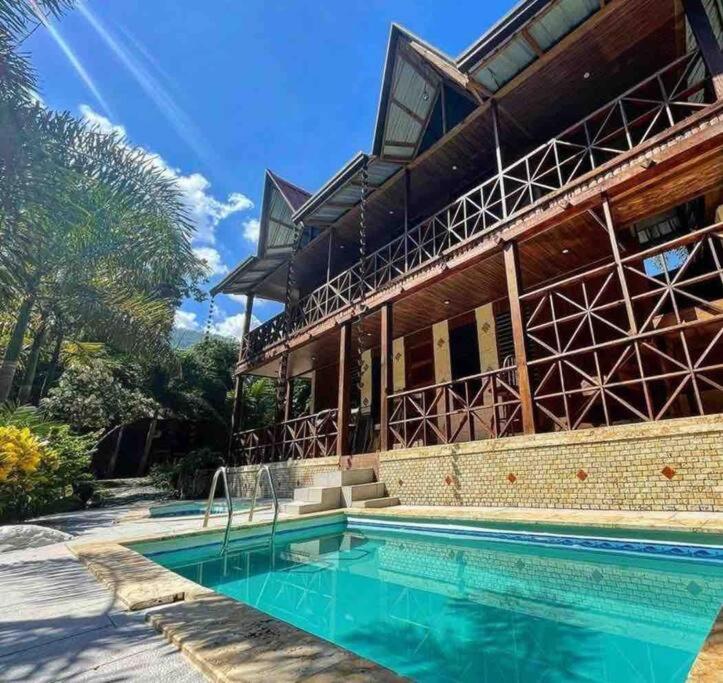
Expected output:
(385, 502)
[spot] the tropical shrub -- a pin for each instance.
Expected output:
(40, 464)
(179, 478)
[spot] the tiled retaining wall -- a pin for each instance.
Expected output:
(287, 476)
(668, 465)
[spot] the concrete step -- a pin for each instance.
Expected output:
(375, 489)
(299, 507)
(325, 495)
(385, 502)
(363, 475)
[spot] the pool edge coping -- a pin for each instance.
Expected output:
(152, 585)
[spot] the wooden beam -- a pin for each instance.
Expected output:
(512, 271)
(343, 401)
(707, 42)
(408, 111)
(530, 39)
(386, 373)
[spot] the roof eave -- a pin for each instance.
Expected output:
(502, 30)
(349, 170)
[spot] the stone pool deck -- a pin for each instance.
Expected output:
(85, 629)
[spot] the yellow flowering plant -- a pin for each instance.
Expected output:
(20, 453)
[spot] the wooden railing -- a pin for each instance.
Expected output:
(651, 107)
(610, 350)
(478, 407)
(310, 436)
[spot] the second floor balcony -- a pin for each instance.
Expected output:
(637, 117)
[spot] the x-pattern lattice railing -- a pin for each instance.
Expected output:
(596, 363)
(477, 407)
(310, 436)
(654, 105)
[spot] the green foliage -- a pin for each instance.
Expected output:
(97, 395)
(53, 480)
(179, 478)
(194, 383)
(259, 403)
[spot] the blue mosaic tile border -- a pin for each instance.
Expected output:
(642, 547)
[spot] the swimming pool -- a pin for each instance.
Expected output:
(442, 602)
(198, 507)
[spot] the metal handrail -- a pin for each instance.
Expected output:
(212, 493)
(265, 468)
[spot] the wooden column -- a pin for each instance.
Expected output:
(629, 310)
(237, 412)
(344, 402)
(707, 42)
(498, 153)
(288, 399)
(386, 373)
(619, 266)
(512, 271)
(247, 323)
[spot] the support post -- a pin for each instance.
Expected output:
(610, 226)
(512, 272)
(344, 402)
(707, 42)
(288, 398)
(247, 324)
(498, 154)
(237, 412)
(386, 373)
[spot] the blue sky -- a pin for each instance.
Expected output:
(222, 89)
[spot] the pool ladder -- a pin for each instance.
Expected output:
(221, 472)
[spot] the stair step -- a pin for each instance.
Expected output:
(327, 495)
(385, 502)
(362, 475)
(299, 507)
(375, 489)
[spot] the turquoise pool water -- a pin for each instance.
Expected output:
(448, 607)
(192, 507)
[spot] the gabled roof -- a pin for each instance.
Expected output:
(276, 237)
(414, 72)
(281, 199)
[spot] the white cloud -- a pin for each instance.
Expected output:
(185, 320)
(212, 259)
(233, 325)
(102, 123)
(204, 210)
(251, 228)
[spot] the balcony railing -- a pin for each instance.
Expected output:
(482, 406)
(598, 361)
(649, 108)
(310, 436)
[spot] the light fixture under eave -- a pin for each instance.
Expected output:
(447, 302)
(565, 251)
(454, 167)
(586, 75)
(391, 212)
